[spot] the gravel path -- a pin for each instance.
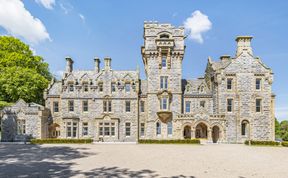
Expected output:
(198, 161)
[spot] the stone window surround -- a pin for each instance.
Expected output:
(76, 120)
(127, 106)
(101, 86)
(164, 82)
(232, 105)
(158, 128)
(127, 129)
(107, 106)
(85, 127)
(142, 129)
(55, 106)
(260, 85)
(21, 126)
(108, 124)
(85, 108)
(261, 109)
(71, 106)
(186, 107)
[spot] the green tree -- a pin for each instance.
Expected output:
(22, 74)
(277, 129)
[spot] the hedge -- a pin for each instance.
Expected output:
(186, 141)
(264, 143)
(285, 144)
(54, 140)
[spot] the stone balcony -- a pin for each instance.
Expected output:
(164, 116)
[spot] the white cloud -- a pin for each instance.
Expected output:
(82, 17)
(66, 7)
(48, 4)
(18, 21)
(196, 25)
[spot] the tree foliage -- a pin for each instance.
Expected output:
(22, 74)
(281, 129)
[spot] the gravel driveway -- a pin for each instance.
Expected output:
(198, 161)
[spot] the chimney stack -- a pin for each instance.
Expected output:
(69, 64)
(224, 57)
(107, 62)
(244, 44)
(97, 64)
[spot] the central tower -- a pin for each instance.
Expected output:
(162, 55)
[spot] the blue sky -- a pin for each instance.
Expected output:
(113, 28)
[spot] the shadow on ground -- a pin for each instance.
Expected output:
(39, 161)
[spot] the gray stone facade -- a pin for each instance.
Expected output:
(23, 121)
(231, 103)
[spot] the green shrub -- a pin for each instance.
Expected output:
(4, 104)
(263, 143)
(285, 144)
(185, 141)
(55, 140)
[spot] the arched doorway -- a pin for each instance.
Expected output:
(215, 134)
(201, 131)
(187, 132)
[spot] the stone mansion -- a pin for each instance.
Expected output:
(231, 103)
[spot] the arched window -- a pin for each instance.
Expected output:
(169, 128)
(164, 36)
(244, 128)
(158, 128)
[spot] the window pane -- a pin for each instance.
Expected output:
(187, 106)
(258, 84)
(258, 105)
(158, 128)
(169, 128)
(142, 129)
(164, 61)
(127, 128)
(55, 106)
(229, 84)
(127, 106)
(127, 87)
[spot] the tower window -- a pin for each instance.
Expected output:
(187, 106)
(202, 104)
(229, 105)
(164, 82)
(71, 105)
(164, 103)
(258, 105)
(164, 61)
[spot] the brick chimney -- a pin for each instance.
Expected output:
(69, 64)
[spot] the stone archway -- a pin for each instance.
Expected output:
(187, 132)
(215, 134)
(201, 131)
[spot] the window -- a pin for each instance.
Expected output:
(229, 105)
(142, 106)
(101, 87)
(229, 84)
(127, 106)
(164, 60)
(85, 106)
(142, 129)
(258, 84)
(107, 106)
(187, 106)
(258, 105)
(158, 128)
(113, 87)
(107, 129)
(71, 87)
(55, 106)
(71, 129)
(127, 87)
(169, 128)
(71, 105)
(244, 127)
(202, 104)
(74, 133)
(85, 129)
(164, 82)
(86, 89)
(127, 129)
(21, 127)
(163, 103)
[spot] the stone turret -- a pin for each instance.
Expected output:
(244, 44)
(69, 64)
(97, 64)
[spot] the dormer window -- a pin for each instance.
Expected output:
(86, 89)
(100, 87)
(71, 87)
(127, 87)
